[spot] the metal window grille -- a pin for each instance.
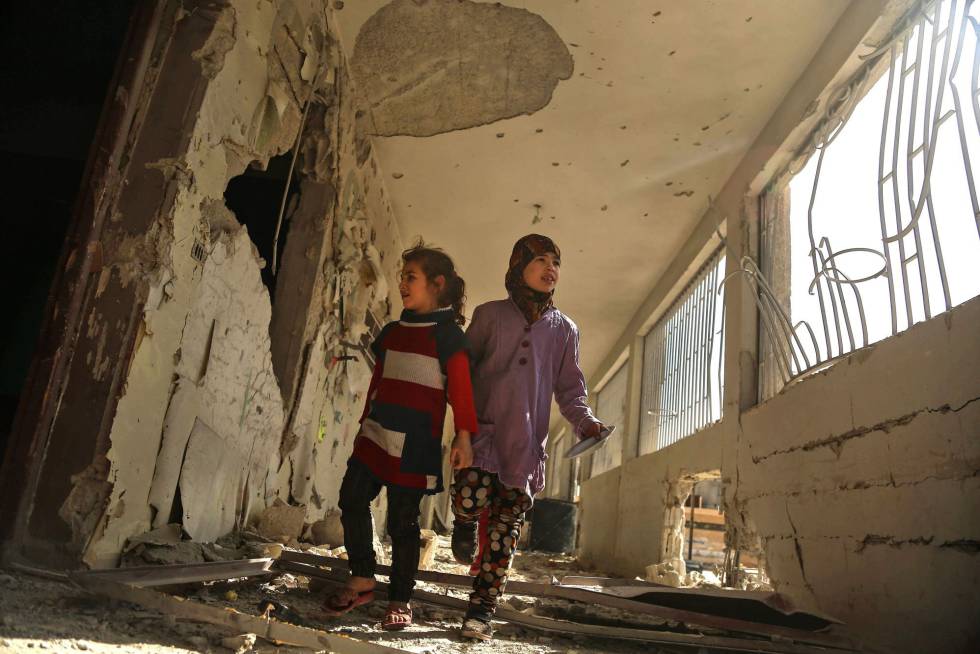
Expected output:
(883, 213)
(682, 362)
(611, 409)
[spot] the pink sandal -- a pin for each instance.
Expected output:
(346, 599)
(397, 618)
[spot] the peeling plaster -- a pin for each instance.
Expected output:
(434, 66)
(202, 414)
(222, 40)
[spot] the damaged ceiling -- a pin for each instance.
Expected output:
(606, 129)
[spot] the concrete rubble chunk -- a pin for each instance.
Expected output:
(671, 572)
(328, 530)
(166, 535)
(428, 544)
(239, 644)
(282, 521)
(163, 554)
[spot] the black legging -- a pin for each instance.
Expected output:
(357, 491)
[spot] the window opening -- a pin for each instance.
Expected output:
(883, 218)
(682, 362)
(610, 406)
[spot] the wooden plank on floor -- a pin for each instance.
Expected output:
(146, 576)
(732, 644)
(590, 597)
(265, 628)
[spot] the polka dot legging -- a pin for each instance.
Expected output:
(472, 491)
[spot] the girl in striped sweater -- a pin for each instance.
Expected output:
(421, 362)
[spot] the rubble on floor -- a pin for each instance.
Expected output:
(671, 572)
(538, 624)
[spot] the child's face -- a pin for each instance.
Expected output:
(543, 272)
(418, 293)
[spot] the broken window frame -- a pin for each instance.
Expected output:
(789, 351)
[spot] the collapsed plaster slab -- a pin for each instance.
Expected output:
(203, 417)
(434, 66)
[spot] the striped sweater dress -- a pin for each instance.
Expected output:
(421, 362)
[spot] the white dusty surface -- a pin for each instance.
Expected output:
(38, 614)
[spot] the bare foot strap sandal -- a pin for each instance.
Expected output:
(346, 599)
(397, 618)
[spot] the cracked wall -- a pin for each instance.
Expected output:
(862, 483)
(858, 486)
(432, 66)
(229, 402)
(646, 491)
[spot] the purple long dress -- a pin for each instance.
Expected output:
(517, 368)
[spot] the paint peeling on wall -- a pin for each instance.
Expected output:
(204, 433)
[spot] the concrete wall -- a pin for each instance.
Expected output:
(204, 412)
(644, 490)
(859, 484)
(862, 483)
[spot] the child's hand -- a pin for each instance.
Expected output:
(461, 455)
(593, 430)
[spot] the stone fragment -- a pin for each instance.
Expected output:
(163, 554)
(282, 521)
(427, 548)
(239, 644)
(328, 531)
(671, 572)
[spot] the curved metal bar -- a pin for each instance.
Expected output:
(896, 198)
(927, 174)
(784, 319)
(828, 268)
(881, 194)
(825, 242)
(813, 337)
(910, 173)
(860, 305)
(816, 254)
(961, 129)
(781, 359)
(813, 245)
(974, 91)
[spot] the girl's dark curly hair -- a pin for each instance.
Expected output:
(435, 262)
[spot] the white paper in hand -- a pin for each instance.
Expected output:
(591, 444)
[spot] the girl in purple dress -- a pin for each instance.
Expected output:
(523, 352)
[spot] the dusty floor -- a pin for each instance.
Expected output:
(39, 614)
